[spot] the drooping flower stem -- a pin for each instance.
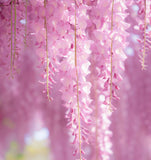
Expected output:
(96, 121)
(25, 39)
(14, 30)
(11, 37)
(47, 59)
(144, 49)
(77, 82)
(111, 59)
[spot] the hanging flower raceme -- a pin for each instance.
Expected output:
(11, 37)
(107, 30)
(42, 18)
(143, 19)
(74, 66)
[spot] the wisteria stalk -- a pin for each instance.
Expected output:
(11, 37)
(25, 39)
(77, 83)
(15, 15)
(111, 58)
(144, 48)
(47, 58)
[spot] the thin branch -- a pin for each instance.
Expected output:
(25, 39)
(77, 81)
(96, 121)
(11, 38)
(14, 30)
(144, 49)
(111, 60)
(47, 58)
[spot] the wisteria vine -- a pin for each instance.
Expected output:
(79, 45)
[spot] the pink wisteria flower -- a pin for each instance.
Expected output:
(64, 61)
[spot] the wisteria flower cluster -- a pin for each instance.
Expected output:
(76, 49)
